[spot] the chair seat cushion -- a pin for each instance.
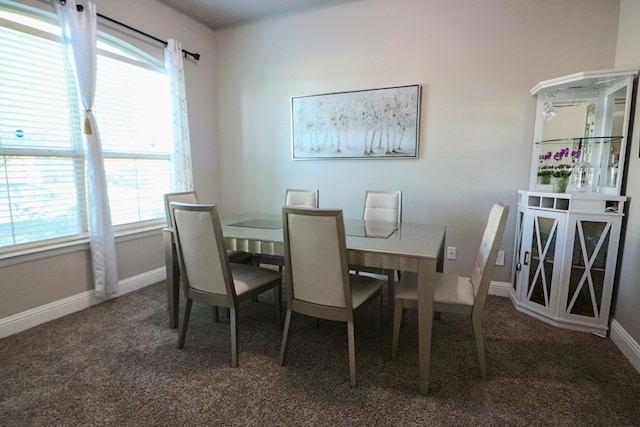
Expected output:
(247, 278)
(362, 288)
(449, 289)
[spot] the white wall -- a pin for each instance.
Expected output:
(476, 62)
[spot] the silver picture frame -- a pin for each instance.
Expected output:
(363, 124)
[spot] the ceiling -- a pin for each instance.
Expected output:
(217, 14)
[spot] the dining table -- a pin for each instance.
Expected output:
(405, 246)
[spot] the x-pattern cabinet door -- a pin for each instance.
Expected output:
(541, 259)
(592, 243)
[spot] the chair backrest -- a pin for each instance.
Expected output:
(301, 198)
(184, 197)
(202, 254)
(383, 206)
(486, 259)
(316, 261)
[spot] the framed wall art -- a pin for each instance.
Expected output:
(364, 124)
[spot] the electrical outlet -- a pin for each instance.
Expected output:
(500, 258)
(451, 252)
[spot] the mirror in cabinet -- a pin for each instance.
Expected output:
(581, 130)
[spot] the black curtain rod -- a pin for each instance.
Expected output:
(80, 8)
(195, 56)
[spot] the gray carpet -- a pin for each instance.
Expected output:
(116, 364)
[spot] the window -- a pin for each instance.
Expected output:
(42, 188)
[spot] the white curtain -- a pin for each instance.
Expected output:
(181, 154)
(79, 34)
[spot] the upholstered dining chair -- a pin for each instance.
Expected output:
(455, 294)
(191, 197)
(207, 274)
(171, 256)
(299, 198)
(317, 274)
(382, 206)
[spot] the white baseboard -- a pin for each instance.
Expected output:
(500, 289)
(36, 316)
(626, 344)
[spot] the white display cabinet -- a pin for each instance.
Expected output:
(567, 239)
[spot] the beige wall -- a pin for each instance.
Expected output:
(476, 62)
(33, 284)
(627, 298)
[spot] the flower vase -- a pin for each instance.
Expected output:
(559, 184)
(544, 179)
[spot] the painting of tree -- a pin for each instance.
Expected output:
(365, 124)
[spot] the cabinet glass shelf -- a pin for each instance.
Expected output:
(600, 153)
(582, 141)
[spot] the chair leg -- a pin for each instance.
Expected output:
(234, 336)
(216, 313)
(397, 320)
(477, 331)
(352, 352)
(173, 284)
(284, 346)
(185, 323)
(277, 300)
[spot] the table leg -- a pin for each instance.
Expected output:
(426, 276)
(173, 278)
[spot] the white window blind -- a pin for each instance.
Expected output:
(42, 190)
(133, 110)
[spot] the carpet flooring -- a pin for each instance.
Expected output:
(116, 364)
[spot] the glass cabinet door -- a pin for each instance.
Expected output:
(542, 262)
(586, 288)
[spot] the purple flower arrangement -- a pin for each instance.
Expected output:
(564, 168)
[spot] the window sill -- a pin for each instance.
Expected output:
(81, 244)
